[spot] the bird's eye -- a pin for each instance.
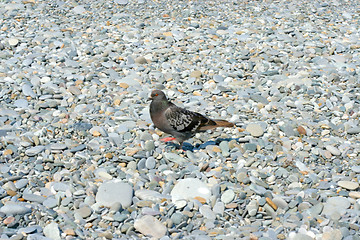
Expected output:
(156, 94)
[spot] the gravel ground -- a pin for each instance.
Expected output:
(80, 158)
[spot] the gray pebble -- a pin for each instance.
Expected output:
(114, 191)
(14, 209)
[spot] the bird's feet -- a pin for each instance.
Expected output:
(167, 139)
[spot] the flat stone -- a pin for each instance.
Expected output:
(353, 130)
(114, 191)
(150, 226)
(250, 147)
(84, 212)
(224, 146)
(151, 195)
(27, 91)
(354, 194)
(259, 98)
(174, 158)
(78, 148)
(189, 188)
(52, 231)
(196, 74)
(21, 103)
(255, 129)
(356, 168)
(219, 208)
(252, 207)
(14, 209)
(34, 150)
(58, 146)
(140, 60)
(50, 202)
(280, 202)
(150, 163)
(21, 183)
(336, 204)
(332, 235)
(348, 185)
(121, 2)
(228, 196)
(33, 198)
(206, 211)
(13, 42)
(333, 150)
(79, 9)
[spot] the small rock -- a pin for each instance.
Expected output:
(354, 194)
(189, 188)
(114, 191)
(174, 158)
(84, 212)
(14, 209)
(206, 211)
(34, 150)
(140, 60)
(13, 42)
(353, 130)
(227, 196)
(79, 9)
(150, 226)
(52, 231)
(196, 74)
(348, 185)
(255, 130)
(333, 150)
(27, 91)
(252, 208)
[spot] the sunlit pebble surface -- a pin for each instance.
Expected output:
(79, 158)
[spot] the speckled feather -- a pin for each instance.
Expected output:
(183, 120)
(179, 122)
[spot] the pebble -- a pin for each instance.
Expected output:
(227, 196)
(28, 91)
(188, 189)
(52, 231)
(13, 41)
(252, 208)
(206, 211)
(84, 212)
(348, 185)
(255, 130)
(34, 150)
(150, 226)
(14, 209)
(333, 150)
(114, 191)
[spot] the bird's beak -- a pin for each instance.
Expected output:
(150, 98)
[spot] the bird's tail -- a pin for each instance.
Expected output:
(219, 123)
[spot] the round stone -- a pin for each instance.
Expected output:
(114, 191)
(13, 41)
(227, 196)
(255, 130)
(150, 226)
(348, 185)
(190, 188)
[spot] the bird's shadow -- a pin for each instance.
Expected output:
(189, 147)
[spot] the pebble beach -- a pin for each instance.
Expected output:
(81, 159)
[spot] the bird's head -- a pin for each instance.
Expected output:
(157, 95)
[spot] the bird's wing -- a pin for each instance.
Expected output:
(183, 120)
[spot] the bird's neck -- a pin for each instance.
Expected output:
(159, 105)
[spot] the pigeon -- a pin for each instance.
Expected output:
(177, 121)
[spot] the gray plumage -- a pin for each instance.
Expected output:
(179, 122)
